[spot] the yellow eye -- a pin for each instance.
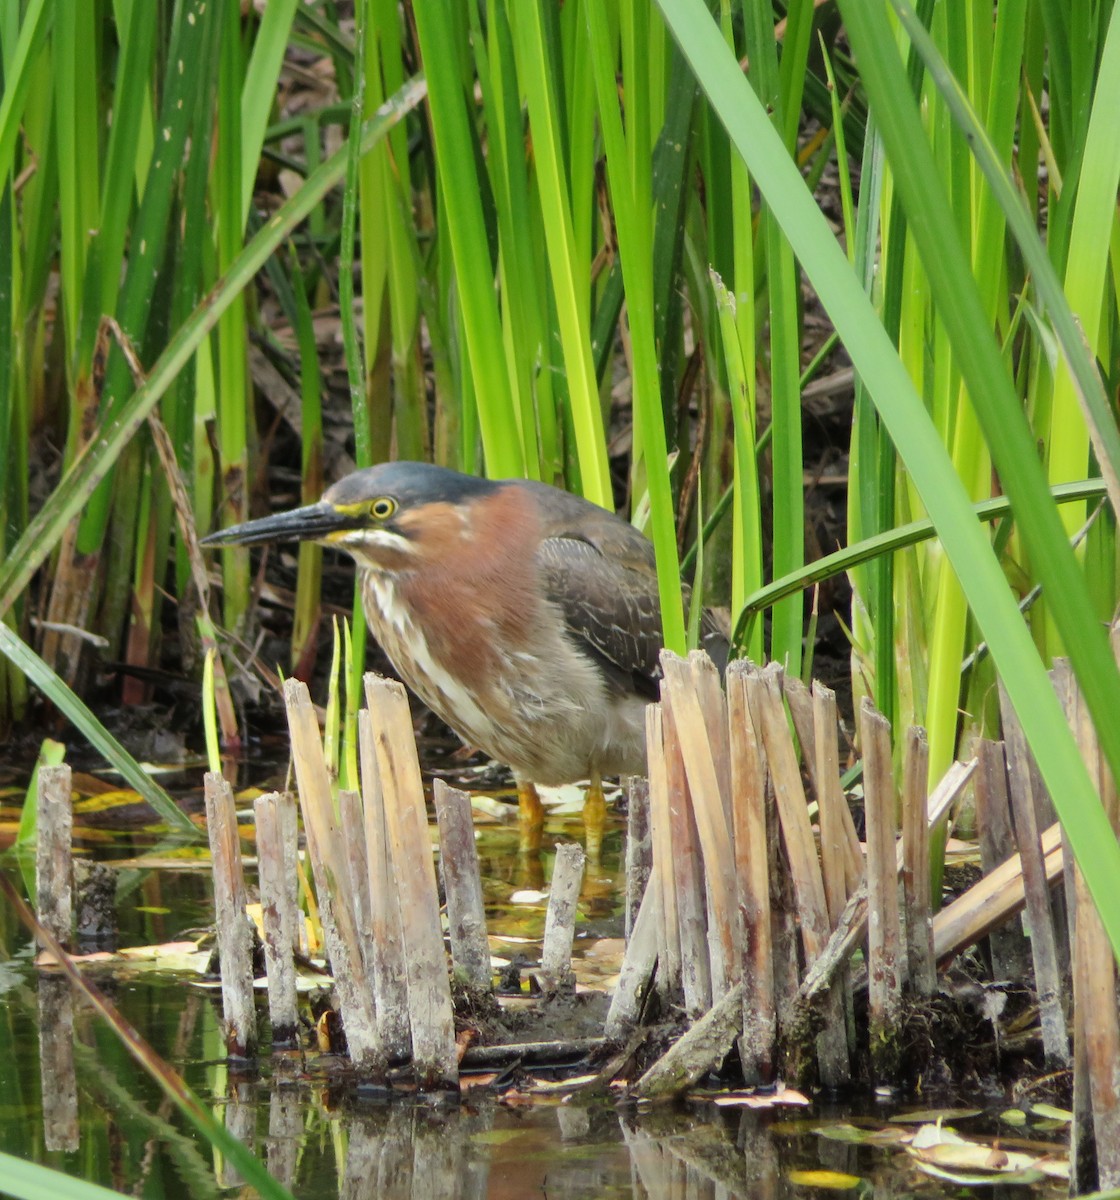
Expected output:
(383, 508)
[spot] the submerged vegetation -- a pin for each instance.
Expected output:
(624, 248)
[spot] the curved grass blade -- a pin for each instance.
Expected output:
(15, 649)
(871, 548)
(30, 1181)
(32, 33)
(913, 433)
(1090, 389)
(97, 459)
(168, 1080)
(470, 251)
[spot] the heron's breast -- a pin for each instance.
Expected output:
(418, 653)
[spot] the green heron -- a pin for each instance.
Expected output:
(526, 618)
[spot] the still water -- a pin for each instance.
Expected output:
(322, 1138)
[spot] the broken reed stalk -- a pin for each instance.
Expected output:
(765, 699)
(53, 853)
(757, 1045)
(235, 934)
(1096, 1024)
(1044, 947)
(841, 857)
(560, 920)
(639, 848)
(1009, 946)
(764, 695)
(809, 728)
(815, 718)
(1096, 1018)
(352, 825)
(389, 978)
(638, 964)
(988, 904)
(410, 864)
(851, 929)
(916, 883)
(331, 869)
(462, 885)
(683, 851)
(842, 863)
(279, 917)
(698, 1051)
(662, 876)
(842, 871)
(699, 748)
(884, 938)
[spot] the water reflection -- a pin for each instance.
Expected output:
(57, 1076)
(322, 1140)
(74, 1100)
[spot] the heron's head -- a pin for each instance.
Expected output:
(385, 516)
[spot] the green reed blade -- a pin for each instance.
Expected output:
(19, 653)
(569, 270)
(21, 61)
(912, 431)
(94, 463)
(462, 208)
(1021, 224)
(1013, 450)
(899, 537)
(631, 198)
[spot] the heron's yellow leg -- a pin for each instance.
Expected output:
(594, 818)
(530, 817)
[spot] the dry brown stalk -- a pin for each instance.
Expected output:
(701, 1049)
(851, 929)
(688, 875)
(768, 712)
(279, 917)
(331, 869)
(700, 748)
(1010, 949)
(1097, 1022)
(410, 855)
(53, 852)
(841, 856)
(639, 848)
(662, 878)
(884, 932)
(560, 919)
(748, 804)
(1044, 946)
(462, 885)
(765, 701)
(353, 828)
(842, 864)
(389, 979)
(713, 704)
(235, 940)
(637, 965)
(915, 865)
(987, 904)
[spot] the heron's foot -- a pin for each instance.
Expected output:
(594, 821)
(530, 818)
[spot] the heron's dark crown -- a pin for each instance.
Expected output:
(410, 484)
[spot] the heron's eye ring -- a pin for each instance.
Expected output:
(383, 508)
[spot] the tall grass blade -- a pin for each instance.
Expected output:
(160, 1072)
(77, 483)
(37, 671)
(913, 433)
(470, 251)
